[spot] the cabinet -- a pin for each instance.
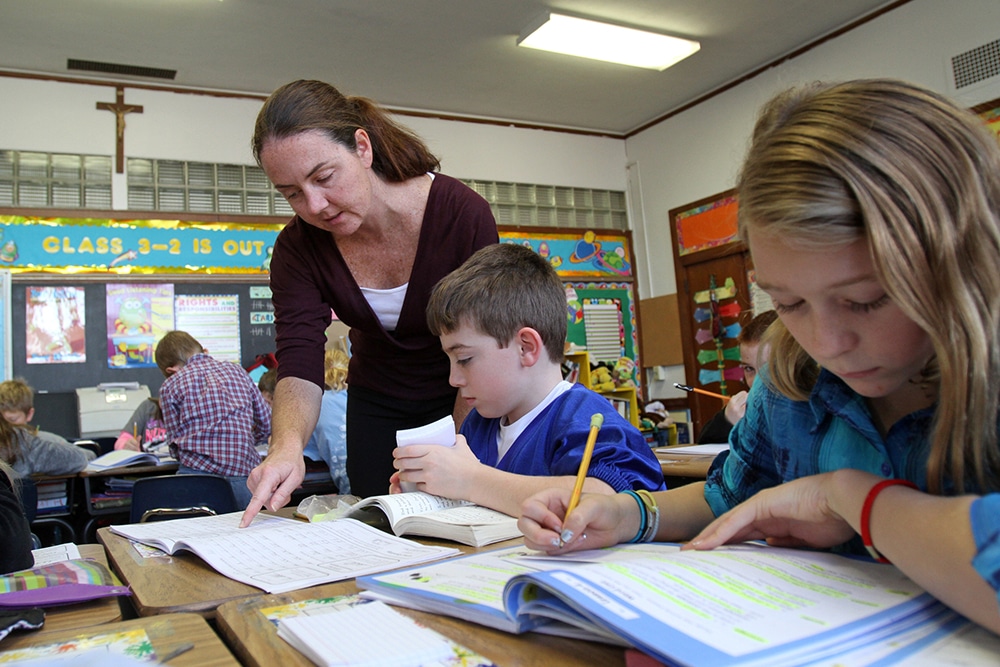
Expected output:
(579, 364)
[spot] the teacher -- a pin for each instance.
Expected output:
(375, 229)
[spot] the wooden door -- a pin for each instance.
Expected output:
(711, 319)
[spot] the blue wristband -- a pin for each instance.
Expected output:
(642, 515)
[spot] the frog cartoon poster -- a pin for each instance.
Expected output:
(138, 317)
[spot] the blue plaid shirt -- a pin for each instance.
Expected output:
(779, 440)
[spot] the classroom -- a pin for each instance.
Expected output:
(657, 147)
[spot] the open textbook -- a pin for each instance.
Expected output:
(419, 513)
(737, 605)
(120, 458)
(280, 555)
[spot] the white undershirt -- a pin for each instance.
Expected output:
(509, 433)
(387, 303)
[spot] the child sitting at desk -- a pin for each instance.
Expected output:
(213, 412)
(29, 454)
(17, 404)
(145, 430)
(501, 318)
(872, 212)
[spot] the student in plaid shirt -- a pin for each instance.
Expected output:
(214, 414)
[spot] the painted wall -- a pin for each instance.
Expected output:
(697, 153)
(62, 117)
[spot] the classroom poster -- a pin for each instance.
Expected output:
(214, 321)
(137, 317)
(54, 325)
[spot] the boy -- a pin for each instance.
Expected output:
(17, 404)
(501, 318)
(213, 412)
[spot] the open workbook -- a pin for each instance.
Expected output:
(737, 605)
(120, 458)
(280, 555)
(419, 513)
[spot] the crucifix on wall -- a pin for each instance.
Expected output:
(119, 108)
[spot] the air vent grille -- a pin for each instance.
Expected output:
(117, 68)
(976, 65)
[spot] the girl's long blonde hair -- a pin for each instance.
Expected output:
(918, 178)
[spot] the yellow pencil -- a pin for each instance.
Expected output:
(135, 430)
(581, 475)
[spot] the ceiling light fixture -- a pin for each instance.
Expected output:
(602, 41)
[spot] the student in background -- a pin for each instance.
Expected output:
(15, 533)
(267, 382)
(872, 211)
(145, 429)
(29, 454)
(501, 318)
(213, 412)
(752, 356)
(17, 404)
(375, 228)
(329, 439)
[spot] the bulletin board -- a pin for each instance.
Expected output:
(89, 365)
(621, 293)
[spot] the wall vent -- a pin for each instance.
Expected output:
(976, 64)
(116, 68)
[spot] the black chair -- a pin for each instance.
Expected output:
(29, 503)
(176, 496)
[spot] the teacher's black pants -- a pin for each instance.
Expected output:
(372, 422)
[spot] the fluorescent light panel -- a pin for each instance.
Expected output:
(610, 43)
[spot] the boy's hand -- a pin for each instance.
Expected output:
(441, 471)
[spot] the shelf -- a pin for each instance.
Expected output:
(582, 361)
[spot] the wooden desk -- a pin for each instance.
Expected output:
(167, 584)
(83, 614)
(683, 469)
(255, 641)
(165, 632)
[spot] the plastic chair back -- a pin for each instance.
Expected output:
(176, 496)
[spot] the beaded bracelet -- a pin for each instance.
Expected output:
(643, 518)
(652, 516)
(866, 514)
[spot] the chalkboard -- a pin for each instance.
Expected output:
(256, 337)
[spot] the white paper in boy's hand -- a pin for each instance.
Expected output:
(441, 432)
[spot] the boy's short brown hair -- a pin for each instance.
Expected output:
(175, 348)
(16, 395)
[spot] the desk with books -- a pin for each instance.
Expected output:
(97, 504)
(170, 584)
(83, 614)
(186, 636)
(254, 639)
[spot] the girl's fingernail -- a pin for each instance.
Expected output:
(566, 536)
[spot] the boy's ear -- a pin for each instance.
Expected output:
(170, 370)
(531, 346)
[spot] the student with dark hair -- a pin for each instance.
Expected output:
(15, 533)
(501, 318)
(753, 354)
